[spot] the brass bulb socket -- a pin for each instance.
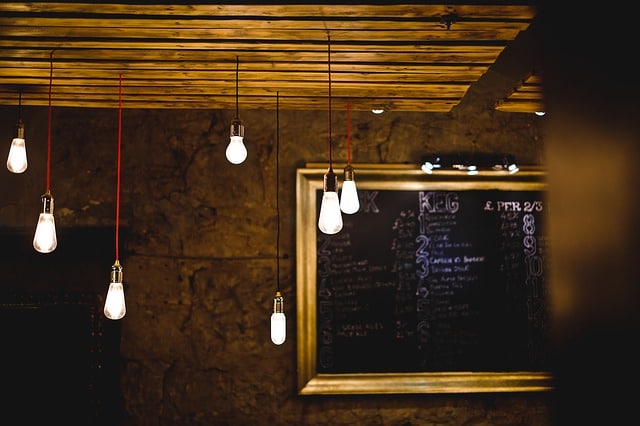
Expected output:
(349, 172)
(116, 272)
(278, 303)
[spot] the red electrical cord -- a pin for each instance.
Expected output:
(118, 180)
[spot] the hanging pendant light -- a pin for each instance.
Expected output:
(349, 202)
(17, 159)
(114, 305)
(330, 219)
(45, 239)
(278, 319)
(236, 151)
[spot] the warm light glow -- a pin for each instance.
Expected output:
(330, 220)
(17, 160)
(236, 151)
(278, 320)
(45, 240)
(278, 328)
(349, 202)
(114, 306)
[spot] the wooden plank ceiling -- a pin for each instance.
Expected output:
(403, 57)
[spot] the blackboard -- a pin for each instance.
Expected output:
(433, 275)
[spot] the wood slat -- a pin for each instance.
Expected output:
(23, 26)
(520, 10)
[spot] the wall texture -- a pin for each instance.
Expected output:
(198, 248)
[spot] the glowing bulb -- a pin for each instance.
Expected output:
(17, 159)
(349, 202)
(114, 306)
(236, 151)
(278, 321)
(45, 240)
(330, 220)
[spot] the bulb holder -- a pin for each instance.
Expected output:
(349, 172)
(278, 303)
(116, 272)
(237, 128)
(20, 129)
(330, 181)
(47, 203)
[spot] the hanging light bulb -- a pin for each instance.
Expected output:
(17, 159)
(45, 240)
(114, 306)
(278, 319)
(349, 202)
(236, 151)
(330, 219)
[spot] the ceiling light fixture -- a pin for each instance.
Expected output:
(17, 159)
(45, 239)
(114, 305)
(278, 319)
(330, 220)
(349, 202)
(236, 151)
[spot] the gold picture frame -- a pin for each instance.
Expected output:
(410, 177)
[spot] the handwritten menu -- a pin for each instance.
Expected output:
(428, 281)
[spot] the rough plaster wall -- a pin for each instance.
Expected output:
(199, 257)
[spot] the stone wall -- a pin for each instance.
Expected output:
(198, 249)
